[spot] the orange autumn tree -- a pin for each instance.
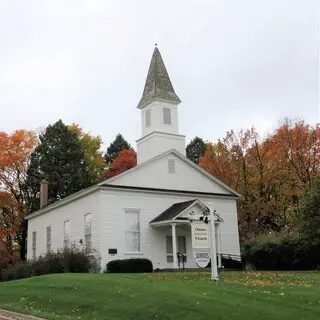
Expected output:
(125, 160)
(15, 151)
(9, 220)
(271, 173)
(298, 146)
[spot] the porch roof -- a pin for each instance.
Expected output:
(175, 213)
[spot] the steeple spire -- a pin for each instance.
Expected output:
(158, 84)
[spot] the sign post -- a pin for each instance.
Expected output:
(204, 240)
(213, 251)
(200, 243)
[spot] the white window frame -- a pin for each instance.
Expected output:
(167, 117)
(169, 254)
(66, 238)
(88, 232)
(48, 238)
(34, 244)
(138, 231)
(148, 118)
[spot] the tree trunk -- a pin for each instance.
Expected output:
(23, 240)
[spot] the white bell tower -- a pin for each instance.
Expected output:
(159, 113)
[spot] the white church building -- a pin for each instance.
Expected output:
(147, 211)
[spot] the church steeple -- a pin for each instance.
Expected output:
(159, 113)
(158, 84)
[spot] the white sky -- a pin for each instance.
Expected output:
(232, 63)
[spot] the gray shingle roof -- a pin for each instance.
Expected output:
(158, 84)
(173, 211)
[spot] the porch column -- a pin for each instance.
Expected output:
(219, 246)
(174, 246)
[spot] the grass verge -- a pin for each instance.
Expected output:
(187, 296)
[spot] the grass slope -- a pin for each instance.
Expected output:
(187, 296)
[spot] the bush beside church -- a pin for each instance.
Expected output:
(68, 260)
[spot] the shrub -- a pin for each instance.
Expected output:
(129, 266)
(282, 251)
(19, 271)
(66, 260)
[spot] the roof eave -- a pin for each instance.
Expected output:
(142, 103)
(63, 202)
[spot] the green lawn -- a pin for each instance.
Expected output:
(187, 296)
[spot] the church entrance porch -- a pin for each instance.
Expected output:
(182, 247)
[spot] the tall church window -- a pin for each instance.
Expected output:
(166, 115)
(148, 118)
(87, 231)
(34, 244)
(66, 234)
(48, 239)
(132, 232)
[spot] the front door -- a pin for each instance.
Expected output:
(181, 247)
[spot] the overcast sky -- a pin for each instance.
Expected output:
(233, 63)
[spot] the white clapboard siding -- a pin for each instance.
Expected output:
(73, 211)
(153, 245)
(156, 175)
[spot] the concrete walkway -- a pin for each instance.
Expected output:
(8, 315)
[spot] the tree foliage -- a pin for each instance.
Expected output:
(91, 145)
(119, 144)
(15, 152)
(310, 214)
(272, 174)
(59, 159)
(125, 160)
(196, 149)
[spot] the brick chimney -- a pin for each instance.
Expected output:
(43, 193)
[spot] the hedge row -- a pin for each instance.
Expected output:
(284, 253)
(129, 266)
(64, 261)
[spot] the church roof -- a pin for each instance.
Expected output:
(158, 84)
(108, 183)
(173, 211)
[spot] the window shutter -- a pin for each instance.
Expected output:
(171, 166)
(148, 118)
(166, 115)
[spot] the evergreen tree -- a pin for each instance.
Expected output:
(59, 159)
(119, 144)
(196, 149)
(310, 214)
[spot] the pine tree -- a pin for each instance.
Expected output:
(119, 144)
(59, 159)
(310, 214)
(196, 149)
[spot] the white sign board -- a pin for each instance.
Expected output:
(200, 243)
(200, 235)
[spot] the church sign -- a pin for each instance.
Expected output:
(200, 243)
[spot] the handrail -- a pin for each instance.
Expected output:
(229, 255)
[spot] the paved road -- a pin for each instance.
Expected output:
(8, 315)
